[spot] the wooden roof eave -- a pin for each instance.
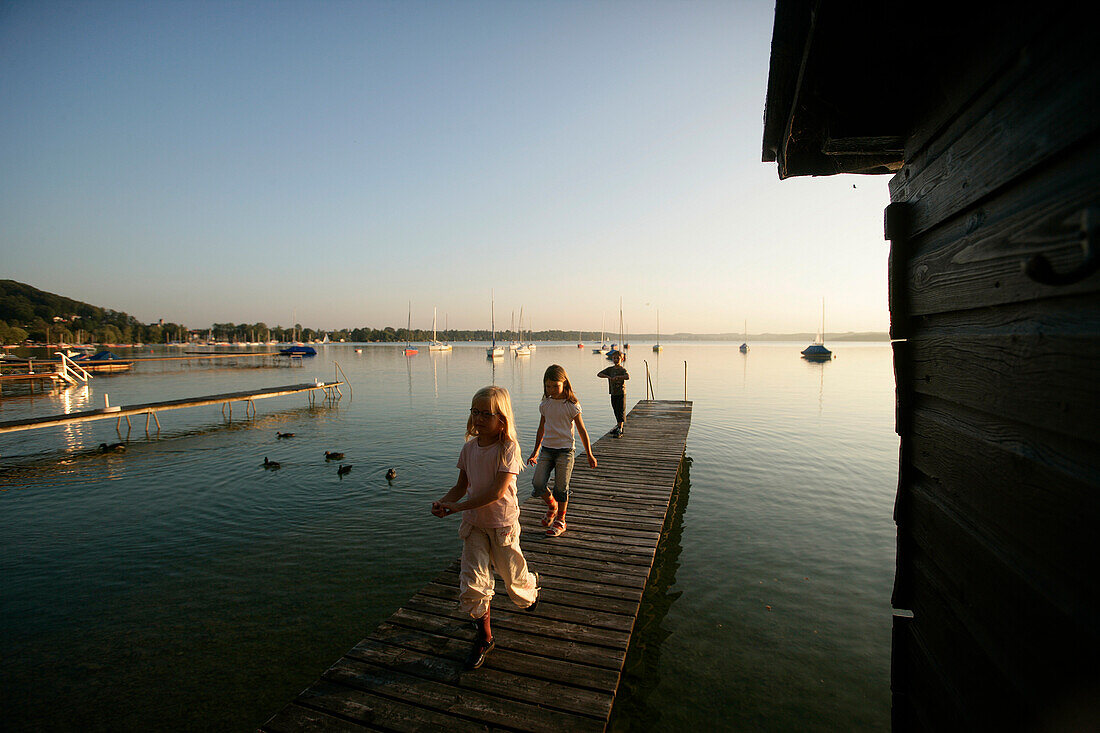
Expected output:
(804, 123)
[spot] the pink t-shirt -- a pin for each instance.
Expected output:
(557, 430)
(481, 466)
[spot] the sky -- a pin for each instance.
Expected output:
(332, 162)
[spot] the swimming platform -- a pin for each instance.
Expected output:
(555, 669)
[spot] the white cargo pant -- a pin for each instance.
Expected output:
(485, 550)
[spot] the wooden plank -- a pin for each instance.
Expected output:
(446, 665)
(976, 261)
(556, 590)
(1027, 491)
(987, 590)
(456, 644)
(556, 607)
(102, 414)
(457, 701)
(1052, 105)
(1045, 380)
(563, 650)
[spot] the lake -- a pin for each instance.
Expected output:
(179, 584)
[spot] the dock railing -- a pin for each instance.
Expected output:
(70, 371)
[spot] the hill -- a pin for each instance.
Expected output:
(27, 312)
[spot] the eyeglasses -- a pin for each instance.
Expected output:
(476, 413)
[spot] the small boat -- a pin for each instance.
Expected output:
(657, 346)
(104, 361)
(409, 350)
(580, 342)
(817, 351)
(298, 350)
(435, 344)
(493, 351)
(744, 348)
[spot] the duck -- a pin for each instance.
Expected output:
(112, 448)
(271, 465)
(284, 435)
(333, 456)
(343, 470)
(391, 474)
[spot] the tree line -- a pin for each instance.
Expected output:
(28, 314)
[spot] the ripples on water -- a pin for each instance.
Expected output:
(182, 582)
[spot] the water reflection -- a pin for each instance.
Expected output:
(641, 670)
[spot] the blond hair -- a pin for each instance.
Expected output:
(556, 373)
(500, 402)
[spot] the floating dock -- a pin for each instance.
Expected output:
(150, 409)
(552, 670)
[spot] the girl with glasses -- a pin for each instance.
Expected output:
(554, 446)
(485, 493)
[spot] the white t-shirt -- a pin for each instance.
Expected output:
(481, 466)
(557, 430)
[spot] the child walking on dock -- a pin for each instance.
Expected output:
(554, 446)
(615, 375)
(487, 468)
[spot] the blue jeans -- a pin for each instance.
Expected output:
(560, 461)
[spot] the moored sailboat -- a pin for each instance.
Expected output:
(817, 351)
(493, 351)
(435, 344)
(409, 350)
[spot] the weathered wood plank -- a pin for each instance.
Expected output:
(1046, 381)
(977, 260)
(557, 590)
(567, 651)
(446, 665)
(453, 700)
(455, 644)
(1026, 490)
(994, 600)
(562, 610)
(1052, 106)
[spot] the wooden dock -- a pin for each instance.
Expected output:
(150, 409)
(553, 670)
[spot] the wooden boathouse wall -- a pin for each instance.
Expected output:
(996, 353)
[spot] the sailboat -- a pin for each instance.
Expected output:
(494, 351)
(409, 350)
(603, 341)
(745, 346)
(434, 344)
(530, 343)
(657, 346)
(580, 341)
(619, 347)
(520, 349)
(513, 344)
(817, 351)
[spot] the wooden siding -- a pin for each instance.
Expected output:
(998, 503)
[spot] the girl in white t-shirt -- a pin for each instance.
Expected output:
(487, 469)
(554, 446)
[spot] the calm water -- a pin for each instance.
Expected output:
(181, 585)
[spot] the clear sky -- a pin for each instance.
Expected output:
(331, 161)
